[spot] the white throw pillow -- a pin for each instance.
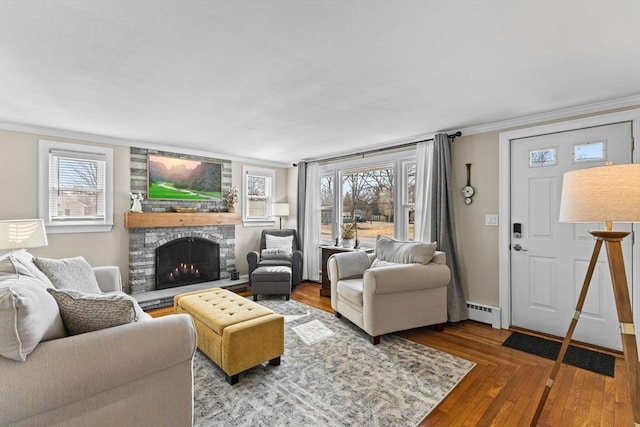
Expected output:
(279, 242)
(388, 249)
(28, 315)
(69, 273)
(83, 313)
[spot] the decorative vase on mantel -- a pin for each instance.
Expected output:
(231, 207)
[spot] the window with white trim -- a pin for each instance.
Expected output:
(258, 188)
(76, 187)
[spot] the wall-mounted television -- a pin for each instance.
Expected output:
(176, 178)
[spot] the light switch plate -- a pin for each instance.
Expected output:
(491, 219)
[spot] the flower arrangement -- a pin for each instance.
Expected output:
(233, 195)
(349, 231)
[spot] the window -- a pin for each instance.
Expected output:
(76, 190)
(327, 208)
(258, 188)
(377, 193)
(409, 199)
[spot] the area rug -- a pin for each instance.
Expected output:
(337, 379)
(576, 356)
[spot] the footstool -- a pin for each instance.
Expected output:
(271, 280)
(236, 333)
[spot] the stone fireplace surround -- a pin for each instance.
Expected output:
(143, 240)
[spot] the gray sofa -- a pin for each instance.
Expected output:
(134, 374)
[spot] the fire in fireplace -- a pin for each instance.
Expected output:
(186, 261)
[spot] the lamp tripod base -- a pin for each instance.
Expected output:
(613, 241)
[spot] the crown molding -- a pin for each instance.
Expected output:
(564, 113)
(103, 139)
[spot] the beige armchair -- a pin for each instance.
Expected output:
(402, 286)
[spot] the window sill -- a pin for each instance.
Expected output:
(257, 223)
(78, 228)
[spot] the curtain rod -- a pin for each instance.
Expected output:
(379, 150)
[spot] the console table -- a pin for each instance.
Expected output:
(327, 251)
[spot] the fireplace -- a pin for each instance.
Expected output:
(186, 261)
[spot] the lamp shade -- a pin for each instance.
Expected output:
(601, 194)
(22, 234)
(280, 209)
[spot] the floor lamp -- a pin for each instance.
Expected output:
(604, 194)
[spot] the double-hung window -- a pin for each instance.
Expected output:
(76, 187)
(257, 195)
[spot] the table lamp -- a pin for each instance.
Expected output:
(604, 194)
(22, 234)
(280, 210)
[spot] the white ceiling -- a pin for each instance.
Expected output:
(288, 80)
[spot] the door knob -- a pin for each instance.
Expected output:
(517, 247)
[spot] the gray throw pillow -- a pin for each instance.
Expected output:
(388, 249)
(276, 253)
(83, 313)
(69, 273)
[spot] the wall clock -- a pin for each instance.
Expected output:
(468, 191)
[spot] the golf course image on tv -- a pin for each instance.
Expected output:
(174, 178)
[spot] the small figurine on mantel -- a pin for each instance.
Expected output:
(232, 198)
(137, 199)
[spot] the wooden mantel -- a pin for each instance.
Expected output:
(176, 219)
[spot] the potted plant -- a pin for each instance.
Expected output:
(348, 234)
(232, 198)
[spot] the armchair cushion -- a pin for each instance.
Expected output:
(388, 249)
(69, 273)
(352, 264)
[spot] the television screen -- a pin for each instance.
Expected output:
(174, 178)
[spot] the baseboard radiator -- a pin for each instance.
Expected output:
(484, 314)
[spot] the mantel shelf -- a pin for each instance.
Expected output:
(177, 219)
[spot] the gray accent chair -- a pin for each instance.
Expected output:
(255, 260)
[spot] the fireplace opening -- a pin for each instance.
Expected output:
(186, 261)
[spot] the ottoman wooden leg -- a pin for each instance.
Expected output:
(255, 297)
(275, 361)
(233, 379)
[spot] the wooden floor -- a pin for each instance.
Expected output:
(504, 388)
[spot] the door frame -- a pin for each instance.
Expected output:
(504, 203)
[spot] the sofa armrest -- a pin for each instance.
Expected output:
(405, 278)
(439, 258)
(65, 370)
(296, 267)
(108, 278)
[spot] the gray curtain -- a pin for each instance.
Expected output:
(443, 226)
(302, 191)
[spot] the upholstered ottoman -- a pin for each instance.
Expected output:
(236, 333)
(271, 280)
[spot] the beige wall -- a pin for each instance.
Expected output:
(19, 199)
(477, 243)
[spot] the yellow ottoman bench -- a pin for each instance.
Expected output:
(236, 333)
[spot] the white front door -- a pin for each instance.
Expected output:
(549, 260)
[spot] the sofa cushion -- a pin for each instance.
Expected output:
(27, 267)
(278, 242)
(69, 273)
(28, 315)
(277, 253)
(391, 250)
(351, 290)
(83, 312)
(377, 263)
